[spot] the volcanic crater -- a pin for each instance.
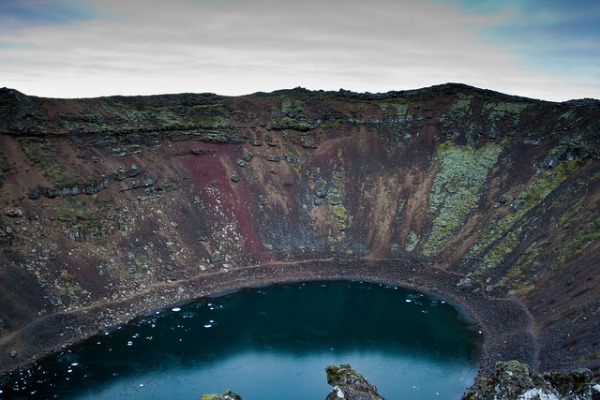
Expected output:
(118, 205)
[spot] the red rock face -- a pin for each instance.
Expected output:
(130, 200)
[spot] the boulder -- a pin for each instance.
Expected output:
(465, 283)
(13, 212)
(228, 395)
(348, 384)
(514, 380)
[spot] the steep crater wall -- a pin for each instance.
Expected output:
(114, 206)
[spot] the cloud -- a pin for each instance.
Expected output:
(16, 15)
(235, 47)
(557, 38)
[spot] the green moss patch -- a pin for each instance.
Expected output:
(341, 216)
(457, 111)
(512, 110)
(590, 233)
(41, 154)
(503, 233)
(82, 220)
(455, 190)
(411, 241)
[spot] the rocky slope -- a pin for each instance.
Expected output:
(113, 206)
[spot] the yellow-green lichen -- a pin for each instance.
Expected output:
(42, 154)
(512, 110)
(520, 289)
(333, 125)
(497, 254)
(540, 186)
(411, 241)
(455, 191)
(70, 284)
(341, 216)
(82, 219)
(400, 210)
(139, 259)
(400, 108)
(526, 261)
(336, 209)
(457, 111)
(571, 213)
(287, 107)
(293, 116)
(590, 233)
(293, 154)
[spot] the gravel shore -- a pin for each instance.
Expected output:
(505, 324)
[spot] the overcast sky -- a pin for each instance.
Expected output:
(547, 49)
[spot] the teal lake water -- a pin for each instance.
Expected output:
(269, 343)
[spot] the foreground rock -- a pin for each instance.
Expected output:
(228, 395)
(514, 380)
(348, 384)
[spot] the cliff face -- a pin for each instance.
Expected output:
(113, 199)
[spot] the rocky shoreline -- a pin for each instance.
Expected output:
(505, 324)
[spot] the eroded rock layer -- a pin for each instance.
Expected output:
(117, 205)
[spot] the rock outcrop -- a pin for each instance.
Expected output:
(349, 384)
(515, 381)
(228, 395)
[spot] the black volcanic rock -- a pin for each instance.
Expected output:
(349, 384)
(514, 380)
(228, 395)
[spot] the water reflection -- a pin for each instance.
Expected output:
(269, 343)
